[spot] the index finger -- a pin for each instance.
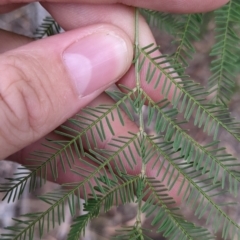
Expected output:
(177, 6)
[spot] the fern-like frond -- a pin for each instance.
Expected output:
(184, 28)
(26, 226)
(57, 199)
(49, 27)
(189, 32)
(89, 147)
(210, 159)
(109, 192)
(81, 129)
(167, 216)
(163, 21)
(80, 223)
(226, 52)
(208, 116)
(198, 197)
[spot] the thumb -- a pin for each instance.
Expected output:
(45, 82)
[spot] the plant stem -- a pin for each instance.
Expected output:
(140, 113)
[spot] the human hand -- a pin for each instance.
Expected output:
(43, 83)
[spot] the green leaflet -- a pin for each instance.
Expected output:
(168, 218)
(184, 28)
(224, 67)
(49, 27)
(109, 193)
(193, 95)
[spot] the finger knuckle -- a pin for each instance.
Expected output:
(22, 96)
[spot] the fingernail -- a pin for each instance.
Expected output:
(95, 61)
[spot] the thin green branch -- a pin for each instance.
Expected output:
(140, 113)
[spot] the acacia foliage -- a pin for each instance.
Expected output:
(207, 171)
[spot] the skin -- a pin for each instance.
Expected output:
(18, 52)
(178, 6)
